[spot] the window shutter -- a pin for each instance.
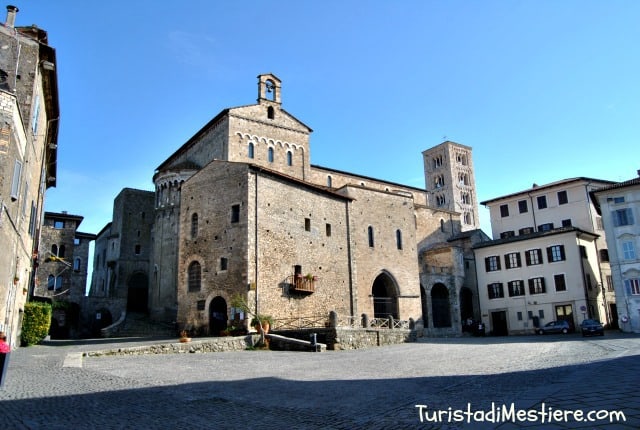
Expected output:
(519, 260)
(629, 216)
(15, 182)
(562, 252)
(549, 255)
(486, 264)
(498, 262)
(527, 257)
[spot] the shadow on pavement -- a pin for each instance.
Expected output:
(275, 403)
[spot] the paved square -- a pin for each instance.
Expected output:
(50, 386)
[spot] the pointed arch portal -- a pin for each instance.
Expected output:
(385, 297)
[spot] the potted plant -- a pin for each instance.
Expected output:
(240, 302)
(263, 322)
(184, 336)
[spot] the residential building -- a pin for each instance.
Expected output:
(62, 270)
(29, 115)
(548, 259)
(619, 205)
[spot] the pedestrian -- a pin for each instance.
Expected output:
(4, 346)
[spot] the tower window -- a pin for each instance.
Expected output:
(235, 213)
(307, 224)
(399, 239)
(270, 155)
(328, 229)
(250, 150)
(270, 112)
(194, 278)
(329, 181)
(289, 158)
(224, 262)
(370, 234)
(194, 226)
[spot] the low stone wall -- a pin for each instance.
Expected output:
(217, 344)
(341, 338)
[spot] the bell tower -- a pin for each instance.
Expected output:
(450, 182)
(269, 89)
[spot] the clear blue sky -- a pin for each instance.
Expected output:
(542, 90)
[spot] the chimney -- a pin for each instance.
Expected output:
(11, 16)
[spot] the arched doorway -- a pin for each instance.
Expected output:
(137, 292)
(385, 297)
(425, 307)
(217, 316)
(440, 309)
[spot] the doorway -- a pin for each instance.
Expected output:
(137, 292)
(217, 316)
(565, 313)
(385, 298)
(440, 309)
(499, 323)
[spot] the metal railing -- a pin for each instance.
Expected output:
(300, 322)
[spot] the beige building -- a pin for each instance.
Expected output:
(29, 116)
(241, 210)
(548, 259)
(619, 205)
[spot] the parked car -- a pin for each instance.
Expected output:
(591, 327)
(555, 327)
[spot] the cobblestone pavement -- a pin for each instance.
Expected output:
(51, 386)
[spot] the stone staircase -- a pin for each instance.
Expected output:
(139, 325)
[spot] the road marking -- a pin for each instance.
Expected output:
(73, 359)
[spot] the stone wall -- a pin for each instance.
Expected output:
(343, 338)
(220, 344)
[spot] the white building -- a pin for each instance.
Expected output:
(548, 259)
(619, 205)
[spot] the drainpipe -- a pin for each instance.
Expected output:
(354, 299)
(533, 213)
(255, 239)
(584, 283)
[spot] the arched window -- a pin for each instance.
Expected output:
(54, 250)
(194, 273)
(76, 264)
(329, 181)
(270, 112)
(270, 155)
(442, 225)
(370, 234)
(289, 158)
(61, 251)
(250, 150)
(399, 239)
(194, 226)
(51, 281)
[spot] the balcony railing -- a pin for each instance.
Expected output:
(303, 284)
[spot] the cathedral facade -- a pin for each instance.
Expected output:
(239, 210)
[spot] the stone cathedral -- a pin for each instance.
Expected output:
(239, 209)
